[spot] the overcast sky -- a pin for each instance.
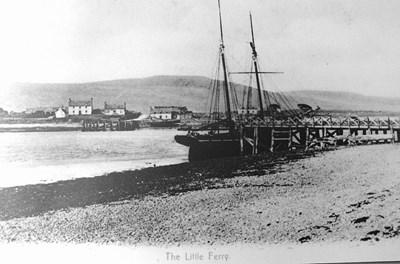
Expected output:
(321, 45)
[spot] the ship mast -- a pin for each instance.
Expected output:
(253, 47)
(222, 52)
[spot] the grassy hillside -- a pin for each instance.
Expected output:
(190, 91)
(139, 94)
(350, 101)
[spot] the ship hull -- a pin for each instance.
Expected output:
(169, 123)
(210, 146)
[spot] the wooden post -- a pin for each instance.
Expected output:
(350, 134)
(272, 140)
(392, 132)
(241, 140)
(111, 126)
(255, 140)
(290, 139)
(307, 135)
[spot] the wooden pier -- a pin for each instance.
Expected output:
(270, 134)
(109, 125)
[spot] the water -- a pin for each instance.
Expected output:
(43, 157)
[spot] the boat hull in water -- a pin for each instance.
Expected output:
(202, 147)
(164, 123)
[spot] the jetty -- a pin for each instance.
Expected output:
(272, 134)
(110, 125)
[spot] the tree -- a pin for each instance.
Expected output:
(96, 111)
(3, 112)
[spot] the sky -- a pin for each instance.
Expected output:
(341, 45)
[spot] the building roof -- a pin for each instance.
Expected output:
(61, 109)
(114, 106)
(163, 107)
(168, 109)
(80, 102)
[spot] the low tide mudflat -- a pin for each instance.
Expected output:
(349, 194)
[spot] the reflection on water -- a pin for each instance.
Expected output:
(27, 158)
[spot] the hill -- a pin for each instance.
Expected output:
(190, 91)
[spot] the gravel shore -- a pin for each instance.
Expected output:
(350, 194)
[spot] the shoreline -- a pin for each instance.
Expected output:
(39, 127)
(347, 195)
(160, 180)
(35, 174)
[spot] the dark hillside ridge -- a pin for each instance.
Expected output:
(190, 91)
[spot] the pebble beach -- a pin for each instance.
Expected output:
(350, 194)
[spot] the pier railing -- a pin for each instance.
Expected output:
(308, 132)
(321, 121)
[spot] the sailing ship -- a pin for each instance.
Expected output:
(221, 137)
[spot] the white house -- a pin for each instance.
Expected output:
(83, 107)
(61, 113)
(168, 112)
(114, 109)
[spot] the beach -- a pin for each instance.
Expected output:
(346, 195)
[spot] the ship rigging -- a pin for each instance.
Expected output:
(223, 135)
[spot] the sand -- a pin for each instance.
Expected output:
(349, 194)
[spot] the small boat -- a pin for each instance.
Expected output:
(307, 110)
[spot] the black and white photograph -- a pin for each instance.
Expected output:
(208, 131)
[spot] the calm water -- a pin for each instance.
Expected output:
(28, 158)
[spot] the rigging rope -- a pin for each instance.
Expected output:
(250, 90)
(211, 97)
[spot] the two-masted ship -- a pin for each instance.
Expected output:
(223, 135)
